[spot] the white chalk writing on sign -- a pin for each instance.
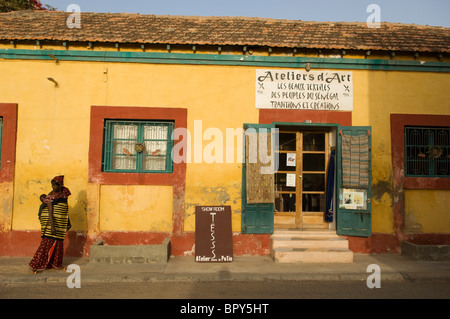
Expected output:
(298, 89)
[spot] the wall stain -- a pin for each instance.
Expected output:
(220, 193)
(188, 206)
(380, 188)
(412, 225)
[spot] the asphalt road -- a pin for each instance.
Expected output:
(231, 290)
(227, 299)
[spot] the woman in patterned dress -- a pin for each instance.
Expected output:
(54, 225)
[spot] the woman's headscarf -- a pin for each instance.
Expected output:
(64, 193)
(59, 180)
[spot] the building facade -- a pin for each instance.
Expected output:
(149, 117)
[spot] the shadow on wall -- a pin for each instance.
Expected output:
(77, 235)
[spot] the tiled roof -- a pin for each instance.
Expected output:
(136, 28)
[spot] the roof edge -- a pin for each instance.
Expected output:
(199, 17)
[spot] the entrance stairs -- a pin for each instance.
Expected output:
(309, 246)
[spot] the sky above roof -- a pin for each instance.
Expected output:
(424, 12)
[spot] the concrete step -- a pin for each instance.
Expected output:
(309, 246)
(312, 242)
(305, 234)
(306, 255)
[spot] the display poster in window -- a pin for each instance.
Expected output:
(290, 159)
(290, 180)
(351, 198)
(213, 236)
(298, 89)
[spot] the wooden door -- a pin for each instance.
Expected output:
(314, 156)
(354, 181)
(257, 217)
(300, 182)
(287, 181)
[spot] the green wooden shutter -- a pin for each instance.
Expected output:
(257, 218)
(353, 181)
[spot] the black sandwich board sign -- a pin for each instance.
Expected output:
(213, 237)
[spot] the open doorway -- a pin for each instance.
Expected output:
(302, 177)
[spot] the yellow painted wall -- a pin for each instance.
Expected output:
(53, 128)
(53, 133)
(379, 94)
(427, 211)
(6, 199)
(136, 208)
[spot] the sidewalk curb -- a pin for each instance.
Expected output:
(157, 277)
(393, 268)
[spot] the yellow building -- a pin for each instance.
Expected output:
(145, 117)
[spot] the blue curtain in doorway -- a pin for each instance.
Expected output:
(330, 188)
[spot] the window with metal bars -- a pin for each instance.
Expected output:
(427, 151)
(138, 146)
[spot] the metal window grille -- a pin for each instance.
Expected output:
(427, 151)
(137, 146)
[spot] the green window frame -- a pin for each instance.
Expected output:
(427, 151)
(137, 146)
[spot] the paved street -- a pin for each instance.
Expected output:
(232, 290)
(247, 281)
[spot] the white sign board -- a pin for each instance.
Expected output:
(290, 180)
(298, 89)
(290, 159)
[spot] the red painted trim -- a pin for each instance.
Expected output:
(77, 244)
(398, 123)
(429, 239)
(9, 113)
(100, 113)
(268, 116)
(132, 238)
(377, 243)
(390, 243)
(182, 244)
(177, 179)
(251, 244)
(82, 244)
(243, 244)
(19, 243)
